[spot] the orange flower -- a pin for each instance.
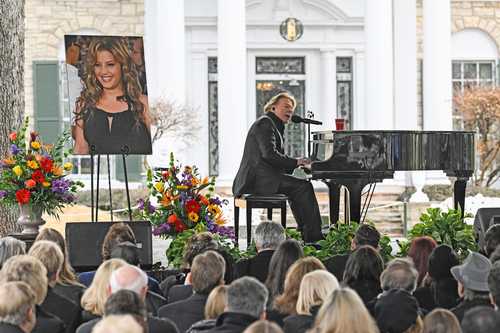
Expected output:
(13, 136)
(220, 221)
(205, 181)
(9, 161)
(30, 183)
(57, 170)
(204, 200)
(166, 200)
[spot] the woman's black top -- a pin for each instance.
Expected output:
(126, 135)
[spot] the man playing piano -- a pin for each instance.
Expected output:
(265, 168)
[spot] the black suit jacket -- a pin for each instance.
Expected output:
(232, 322)
(179, 292)
(63, 308)
(154, 302)
(264, 158)
(155, 325)
(72, 292)
(8, 328)
(47, 323)
(257, 266)
(336, 265)
(185, 313)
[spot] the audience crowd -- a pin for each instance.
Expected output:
(279, 290)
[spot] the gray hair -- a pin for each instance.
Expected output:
(269, 235)
(137, 284)
(15, 301)
(400, 273)
(247, 295)
(9, 247)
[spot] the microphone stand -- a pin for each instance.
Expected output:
(309, 115)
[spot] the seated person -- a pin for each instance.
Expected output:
(491, 239)
(216, 303)
(17, 308)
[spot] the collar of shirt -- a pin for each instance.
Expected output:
(277, 121)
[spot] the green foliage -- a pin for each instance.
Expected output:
(337, 241)
(386, 248)
(446, 227)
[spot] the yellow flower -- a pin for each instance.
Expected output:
(57, 170)
(35, 145)
(193, 217)
(159, 187)
(32, 164)
(195, 181)
(182, 187)
(68, 166)
(18, 171)
(46, 184)
(214, 209)
(220, 221)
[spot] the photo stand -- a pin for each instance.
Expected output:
(93, 153)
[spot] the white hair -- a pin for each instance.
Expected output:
(136, 285)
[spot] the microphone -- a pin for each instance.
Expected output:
(299, 119)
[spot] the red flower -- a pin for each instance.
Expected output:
(33, 135)
(30, 183)
(46, 164)
(165, 174)
(180, 227)
(38, 176)
(23, 196)
(192, 206)
(203, 200)
(13, 136)
(173, 219)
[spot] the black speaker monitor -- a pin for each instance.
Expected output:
(84, 240)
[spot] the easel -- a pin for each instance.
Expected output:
(93, 153)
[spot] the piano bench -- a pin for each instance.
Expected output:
(251, 201)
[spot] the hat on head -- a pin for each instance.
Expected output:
(473, 273)
(395, 311)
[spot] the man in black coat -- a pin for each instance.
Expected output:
(17, 308)
(207, 272)
(265, 168)
(268, 236)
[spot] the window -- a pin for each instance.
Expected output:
(213, 118)
(344, 90)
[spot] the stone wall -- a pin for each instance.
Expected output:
(47, 21)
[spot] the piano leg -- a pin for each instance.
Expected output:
(355, 190)
(334, 201)
(459, 194)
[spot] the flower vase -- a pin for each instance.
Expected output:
(30, 218)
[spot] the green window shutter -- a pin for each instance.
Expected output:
(47, 116)
(134, 167)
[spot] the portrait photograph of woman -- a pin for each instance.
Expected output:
(111, 114)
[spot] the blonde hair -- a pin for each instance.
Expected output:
(67, 275)
(314, 289)
(441, 321)
(417, 327)
(27, 269)
(94, 298)
(344, 311)
(118, 324)
(263, 326)
(274, 100)
(287, 302)
(50, 255)
(16, 298)
(216, 302)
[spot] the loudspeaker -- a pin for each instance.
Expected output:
(84, 241)
(485, 217)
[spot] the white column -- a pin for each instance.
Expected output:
(171, 50)
(232, 80)
(150, 41)
(437, 65)
(379, 65)
(359, 114)
(405, 65)
(328, 111)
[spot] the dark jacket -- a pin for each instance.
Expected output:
(464, 306)
(155, 325)
(47, 323)
(8, 328)
(264, 158)
(257, 266)
(179, 293)
(232, 322)
(202, 326)
(63, 308)
(154, 302)
(366, 289)
(439, 294)
(185, 313)
(300, 323)
(336, 265)
(72, 292)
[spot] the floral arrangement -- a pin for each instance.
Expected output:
(180, 200)
(34, 173)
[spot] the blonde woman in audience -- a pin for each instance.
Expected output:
(9, 246)
(441, 321)
(28, 269)
(216, 303)
(263, 326)
(344, 312)
(95, 296)
(286, 303)
(118, 324)
(314, 289)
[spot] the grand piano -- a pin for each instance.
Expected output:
(358, 158)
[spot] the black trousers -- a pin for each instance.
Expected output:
(303, 204)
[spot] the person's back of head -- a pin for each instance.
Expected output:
(494, 283)
(481, 319)
(495, 256)
(196, 244)
(315, 287)
(118, 324)
(17, 305)
(269, 235)
(127, 251)
(263, 326)
(9, 247)
(117, 233)
(28, 269)
(247, 295)
(441, 321)
(207, 272)
(216, 302)
(397, 311)
(441, 260)
(130, 278)
(363, 264)
(400, 273)
(366, 235)
(420, 250)
(125, 302)
(491, 239)
(51, 256)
